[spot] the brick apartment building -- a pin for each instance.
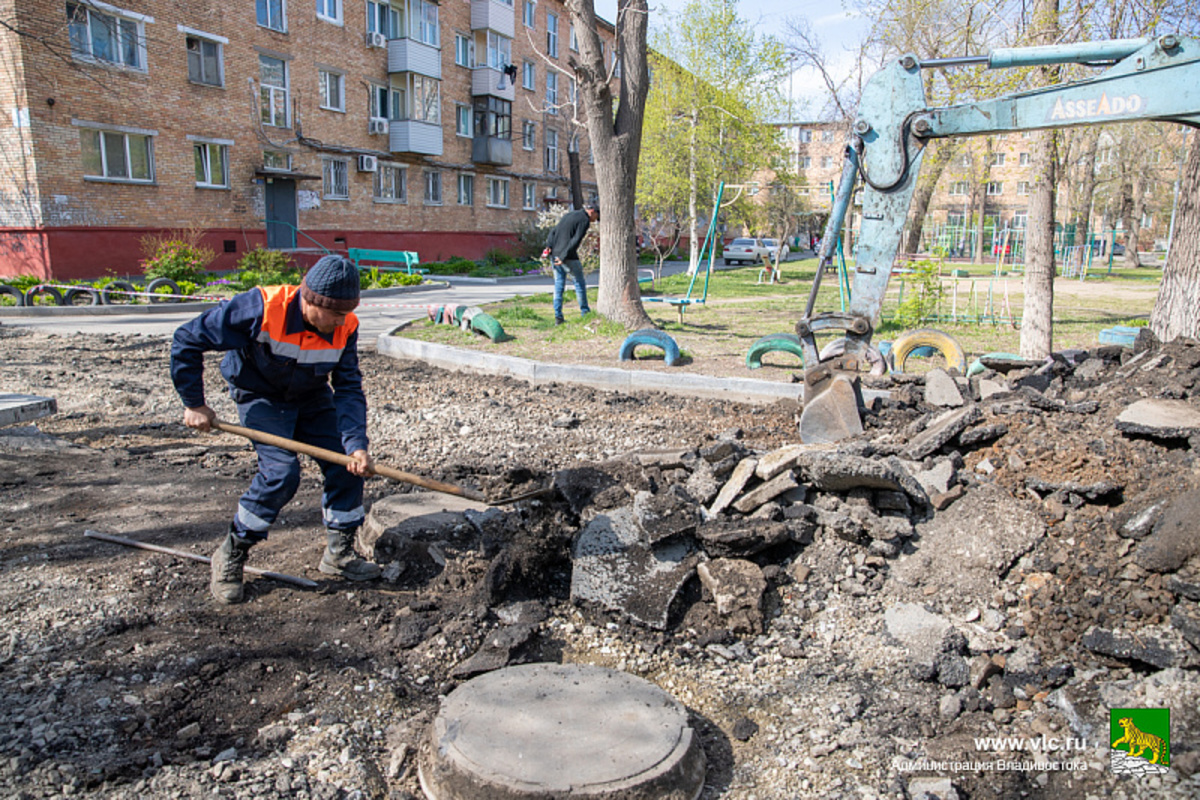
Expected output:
(301, 124)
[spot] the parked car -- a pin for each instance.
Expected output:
(744, 250)
(772, 245)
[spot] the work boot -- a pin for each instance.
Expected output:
(227, 565)
(341, 559)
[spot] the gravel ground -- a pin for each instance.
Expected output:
(1048, 571)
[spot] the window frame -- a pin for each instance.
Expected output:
(959, 188)
(266, 5)
(103, 152)
(393, 23)
(324, 75)
(219, 42)
(222, 148)
(551, 35)
(529, 135)
(529, 14)
(1023, 188)
(275, 91)
(551, 152)
(338, 9)
(464, 48)
(492, 183)
(432, 179)
(464, 112)
(994, 188)
(420, 28)
(996, 160)
(84, 48)
(529, 196)
(465, 188)
(399, 183)
(329, 177)
(1024, 159)
(551, 92)
(529, 76)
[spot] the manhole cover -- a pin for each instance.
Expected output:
(561, 730)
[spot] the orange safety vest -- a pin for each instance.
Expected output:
(304, 346)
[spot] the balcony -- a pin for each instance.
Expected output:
(484, 81)
(493, 15)
(492, 150)
(414, 136)
(409, 55)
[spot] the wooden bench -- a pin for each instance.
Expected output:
(406, 257)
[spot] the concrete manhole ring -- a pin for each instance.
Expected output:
(559, 731)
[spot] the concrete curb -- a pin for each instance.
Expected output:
(741, 390)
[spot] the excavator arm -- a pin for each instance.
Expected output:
(1149, 79)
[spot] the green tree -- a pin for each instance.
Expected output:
(716, 84)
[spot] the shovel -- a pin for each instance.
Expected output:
(378, 469)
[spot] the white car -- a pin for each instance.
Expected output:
(771, 245)
(744, 250)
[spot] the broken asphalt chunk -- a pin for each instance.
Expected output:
(1160, 419)
(940, 430)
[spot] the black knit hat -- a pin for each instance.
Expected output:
(332, 283)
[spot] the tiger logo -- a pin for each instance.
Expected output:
(1140, 741)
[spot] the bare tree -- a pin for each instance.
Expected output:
(616, 136)
(1177, 311)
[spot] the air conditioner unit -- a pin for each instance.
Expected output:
(377, 125)
(367, 163)
(376, 39)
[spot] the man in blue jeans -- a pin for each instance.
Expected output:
(563, 246)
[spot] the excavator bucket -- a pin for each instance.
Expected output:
(831, 414)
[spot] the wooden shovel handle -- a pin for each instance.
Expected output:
(344, 460)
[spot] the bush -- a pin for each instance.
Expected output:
(922, 292)
(176, 255)
(262, 267)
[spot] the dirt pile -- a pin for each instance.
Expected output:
(1004, 557)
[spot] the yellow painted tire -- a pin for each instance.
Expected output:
(944, 343)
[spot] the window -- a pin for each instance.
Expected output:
(274, 159)
(552, 35)
(433, 188)
(115, 37)
(965, 161)
(804, 136)
(330, 10)
(212, 164)
(464, 50)
(391, 184)
(528, 75)
(1020, 220)
(335, 173)
(1023, 159)
(530, 14)
(497, 192)
(499, 50)
(273, 91)
(462, 119)
(1022, 187)
(423, 21)
(572, 91)
(954, 219)
(997, 160)
(331, 88)
(572, 40)
(995, 188)
(826, 162)
(271, 14)
(493, 117)
(960, 187)
(386, 101)
(551, 150)
(425, 94)
(528, 135)
(117, 155)
(530, 192)
(204, 57)
(826, 136)
(466, 190)
(803, 162)
(383, 18)
(552, 92)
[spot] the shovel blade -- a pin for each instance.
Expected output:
(832, 414)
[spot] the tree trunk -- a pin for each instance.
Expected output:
(931, 172)
(1134, 225)
(576, 179)
(1037, 324)
(1177, 311)
(1086, 189)
(616, 143)
(978, 200)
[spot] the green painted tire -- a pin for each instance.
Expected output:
(489, 327)
(943, 343)
(774, 342)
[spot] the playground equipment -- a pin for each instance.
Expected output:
(1146, 79)
(710, 247)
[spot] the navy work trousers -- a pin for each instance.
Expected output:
(313, 422)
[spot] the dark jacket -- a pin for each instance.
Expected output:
(564, 240)
(272, 354)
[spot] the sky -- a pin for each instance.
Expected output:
(838, 30)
